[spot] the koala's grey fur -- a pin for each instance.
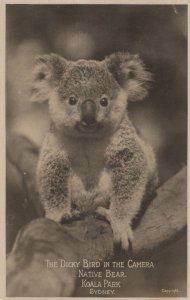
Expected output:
(98, 165)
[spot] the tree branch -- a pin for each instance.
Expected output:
(43, 239)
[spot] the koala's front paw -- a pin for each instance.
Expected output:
(55, 215)
(68, 217)
(122, 233)
(103, 212)
(62, 216)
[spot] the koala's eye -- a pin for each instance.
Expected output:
(72, 100)
(104, 101)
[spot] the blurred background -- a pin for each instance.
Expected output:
(158, 33)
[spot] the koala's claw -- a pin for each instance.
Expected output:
(122, 234)
(75, 214)
(68, 217)
(63, 216)
(121, 229)
(54, 215)
(103, 212)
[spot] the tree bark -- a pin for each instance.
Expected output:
(29, 273)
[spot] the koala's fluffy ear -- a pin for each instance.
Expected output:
(130, 73)
(47, 73)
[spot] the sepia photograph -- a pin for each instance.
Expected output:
(96, 149)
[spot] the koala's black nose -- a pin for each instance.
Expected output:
(88, 113)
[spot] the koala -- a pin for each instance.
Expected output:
(92, 160)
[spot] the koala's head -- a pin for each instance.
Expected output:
(86, 97)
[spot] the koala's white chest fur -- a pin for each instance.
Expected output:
(90, 183)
